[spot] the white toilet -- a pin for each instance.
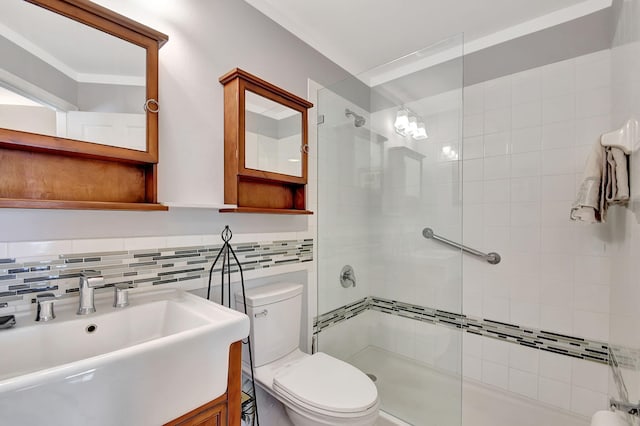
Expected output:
(315, 389)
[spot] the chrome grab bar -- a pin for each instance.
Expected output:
(492, 258)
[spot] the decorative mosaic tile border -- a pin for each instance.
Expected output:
(623, 357)
(155, 266)
(561, 344)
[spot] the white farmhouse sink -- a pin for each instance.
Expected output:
(162, 356)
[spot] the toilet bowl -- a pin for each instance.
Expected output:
(315, 389)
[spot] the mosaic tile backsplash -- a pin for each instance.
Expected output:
(571, 346)
(20, 281)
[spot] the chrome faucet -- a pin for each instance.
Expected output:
(89, 280)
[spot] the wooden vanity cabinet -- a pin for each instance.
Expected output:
(213, 413)
(226, 409)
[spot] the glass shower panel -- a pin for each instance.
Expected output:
(389, 300)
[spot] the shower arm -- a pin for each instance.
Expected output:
(492, 258)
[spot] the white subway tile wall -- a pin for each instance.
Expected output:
(526, 159)
(625, 268)
(523, 144)
(556, 380)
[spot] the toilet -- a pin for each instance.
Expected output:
(315, 389)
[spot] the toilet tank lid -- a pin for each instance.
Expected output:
(270, 293)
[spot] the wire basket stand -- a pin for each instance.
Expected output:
(226, 252)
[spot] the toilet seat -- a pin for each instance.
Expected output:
(323, 384)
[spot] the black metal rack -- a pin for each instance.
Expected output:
(248, 402)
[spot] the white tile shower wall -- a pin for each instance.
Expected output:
(625, 291)
(554, 380)
(409, 267)
(526, 139)
(432, 345)
(347, 162)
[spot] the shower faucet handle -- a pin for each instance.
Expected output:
(347, 276)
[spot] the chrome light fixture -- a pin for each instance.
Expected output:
(409, 124)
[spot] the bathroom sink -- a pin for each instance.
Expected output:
(146, 364)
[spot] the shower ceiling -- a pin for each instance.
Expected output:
(361, 34)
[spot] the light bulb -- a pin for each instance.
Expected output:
(413, 125)
(421, 132)
(402, 120)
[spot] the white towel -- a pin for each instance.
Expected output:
(586, 207)
(605, 182)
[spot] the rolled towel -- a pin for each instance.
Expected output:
(586, 207)
(615, 180)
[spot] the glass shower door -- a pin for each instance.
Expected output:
(389, 300)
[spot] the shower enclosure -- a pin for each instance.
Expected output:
(389, 299)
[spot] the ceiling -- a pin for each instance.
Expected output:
(362, 34)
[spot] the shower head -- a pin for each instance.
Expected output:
(358, 120)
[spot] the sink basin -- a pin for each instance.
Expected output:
(146, 364)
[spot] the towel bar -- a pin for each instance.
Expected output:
(492, 258)
(626, 137)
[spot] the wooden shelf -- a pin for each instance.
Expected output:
(265, 210)
(19, 203)
(178, 205)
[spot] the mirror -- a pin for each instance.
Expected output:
(78, 90)
(265, 146)
(273, 136)
(62, 78)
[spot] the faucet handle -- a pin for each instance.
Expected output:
(121, 294)
(45, 307)
(91, 278)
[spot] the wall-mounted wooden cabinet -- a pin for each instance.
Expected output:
(265, 146)
(92, 84)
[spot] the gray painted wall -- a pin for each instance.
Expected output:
(23, 64)
(588, 34)
(111, 98)
(86, 96)
(277, 129)
(207, 39)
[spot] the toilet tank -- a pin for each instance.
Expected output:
(274, 311)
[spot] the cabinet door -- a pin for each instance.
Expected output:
(206, 415)
(215, 416)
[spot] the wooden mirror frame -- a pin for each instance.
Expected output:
(40, 171)
(252, 190)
